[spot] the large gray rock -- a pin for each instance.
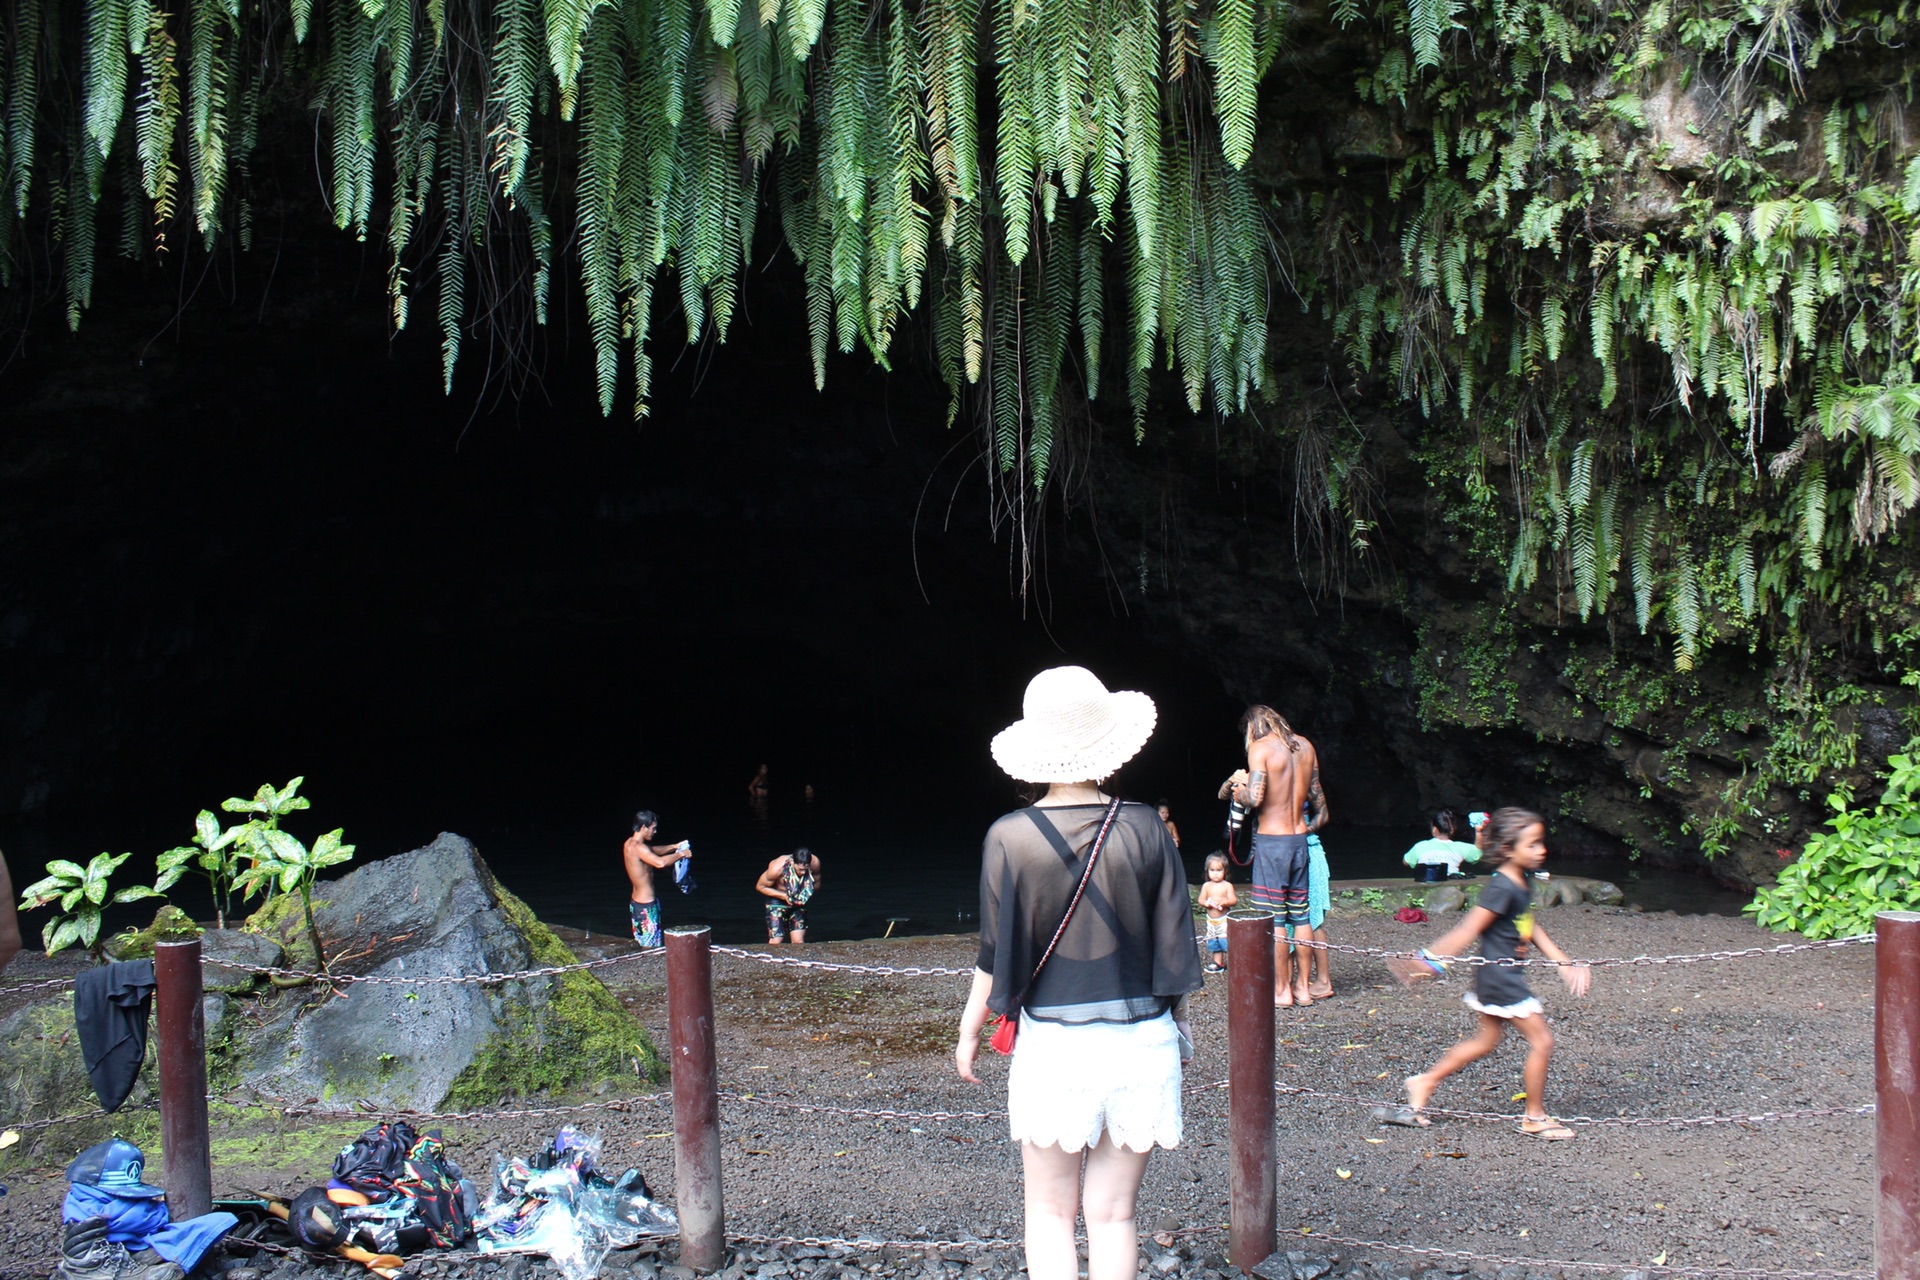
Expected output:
(436, 912)
(222, 949)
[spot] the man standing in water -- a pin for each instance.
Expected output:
(788, 884)
(642, 861)
(1282, 786)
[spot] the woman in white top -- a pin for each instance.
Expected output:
(1094, 1083)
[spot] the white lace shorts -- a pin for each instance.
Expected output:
(1068, 1084)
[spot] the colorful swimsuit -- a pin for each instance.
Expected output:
(791, 915)
(646, 922)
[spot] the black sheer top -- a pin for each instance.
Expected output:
(1129, 951)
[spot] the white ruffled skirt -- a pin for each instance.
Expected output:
(1069, 1084)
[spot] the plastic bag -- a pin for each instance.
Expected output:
(558, 1204)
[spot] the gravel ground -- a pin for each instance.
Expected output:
(1753, 1035)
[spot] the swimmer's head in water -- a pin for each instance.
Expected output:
(644, 819)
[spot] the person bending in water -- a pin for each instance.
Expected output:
(757, 789)
(1218, 897)
(1283, 788)
(788, 884)
(642, 861)
(1516, 843)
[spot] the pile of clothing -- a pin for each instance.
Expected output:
(118, 1228)
(559, 1204)
(393, 1191)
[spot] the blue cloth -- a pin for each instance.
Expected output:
(141, 1223)
(1319, 884)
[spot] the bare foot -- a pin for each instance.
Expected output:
(1283, 998)
(1324, 991)
(1420, 1091)
(1301, 996)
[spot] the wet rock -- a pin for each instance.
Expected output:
(222, 949)
(435, 912)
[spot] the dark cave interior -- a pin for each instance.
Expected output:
(247, 536)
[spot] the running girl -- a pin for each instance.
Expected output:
(1516, 843)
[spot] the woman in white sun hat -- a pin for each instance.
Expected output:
(1101, 998)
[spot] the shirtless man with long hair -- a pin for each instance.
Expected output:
(1282, 786)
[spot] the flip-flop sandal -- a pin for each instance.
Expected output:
(1403, 1115)
(1552, 1132)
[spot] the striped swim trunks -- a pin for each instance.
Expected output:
(1280, 878)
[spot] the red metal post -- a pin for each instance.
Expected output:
(1250, 1101)
(1896, 1085)
(696, 1102)
(182, 1031)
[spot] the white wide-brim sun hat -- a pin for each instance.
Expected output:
(1075, 729)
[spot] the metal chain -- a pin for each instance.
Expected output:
(445, 980)
(827, 966)
(29, 1126)
(1652, 1268)
(880, 1113)
(934, 971)
(505, 1113)
(1640, 1122)
(1602, 962)
(8, 988)
(921, 1246)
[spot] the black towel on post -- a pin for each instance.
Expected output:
(110, 1005)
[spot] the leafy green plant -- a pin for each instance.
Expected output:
(275, 862)
(215, 853)
(282, 864)
(81, 893)
(1373, 899)
(1867, 860)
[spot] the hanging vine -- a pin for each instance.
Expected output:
(1017, 170)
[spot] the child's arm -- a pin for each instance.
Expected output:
(1232, 896)
(1461, 936)
(1578, 977)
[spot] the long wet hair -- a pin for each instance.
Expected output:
(1504, 830)
(1259, 720)
(1446, 822)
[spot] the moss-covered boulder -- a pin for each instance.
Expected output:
(437, 912)
(42, 1075)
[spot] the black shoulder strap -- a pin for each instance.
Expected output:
(1093, 853)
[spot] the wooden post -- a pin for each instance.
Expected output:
(1250, 1101)
(182, 1030)
(696, 1102)
(1896, 1088)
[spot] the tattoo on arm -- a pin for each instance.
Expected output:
(1257, 787)
(1317, 799)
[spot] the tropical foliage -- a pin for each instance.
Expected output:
(1642, 280)
(1868, 860)
(1019, 171)
(78, 893)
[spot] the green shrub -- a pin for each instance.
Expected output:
(1867, 860)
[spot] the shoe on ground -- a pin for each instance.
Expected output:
(87, 1254)
(1216, 968)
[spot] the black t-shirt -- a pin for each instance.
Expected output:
(1512, 907)
(1127, 954)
